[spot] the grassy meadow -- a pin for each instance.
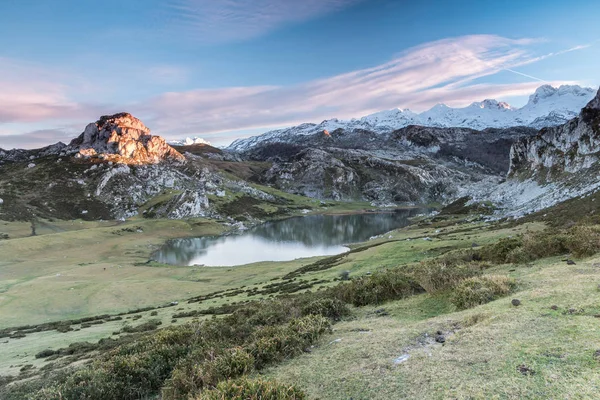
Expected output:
(94, 278)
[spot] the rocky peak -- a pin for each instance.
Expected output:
(595, 103)
(492, 105)
(122, 138)
(542, 92)
(568, 148)
(547, 91)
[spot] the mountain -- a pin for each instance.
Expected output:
(556, 164)
(116, 169)
(189, 141)
(548, 106)
(124, 139)
(414, 164)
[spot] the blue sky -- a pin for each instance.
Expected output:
(223, 69)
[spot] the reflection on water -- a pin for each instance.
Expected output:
(309, 236)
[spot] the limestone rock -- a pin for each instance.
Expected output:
(124, 139)
(569, 148)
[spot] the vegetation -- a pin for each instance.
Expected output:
(417, 286)
(481, 289)
(253, 389)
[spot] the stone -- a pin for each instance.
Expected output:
(515, 302)
(123, 139)
(525, 370)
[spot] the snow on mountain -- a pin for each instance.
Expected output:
(548, 106)
(189, 141)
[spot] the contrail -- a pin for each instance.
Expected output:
(525, 75)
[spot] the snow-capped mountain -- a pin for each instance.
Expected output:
(189, 141)
(548, 106)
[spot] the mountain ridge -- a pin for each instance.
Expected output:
(547, 106)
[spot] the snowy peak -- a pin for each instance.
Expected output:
(492, 104)
(545, 92)
(189, 141)
(548, 106)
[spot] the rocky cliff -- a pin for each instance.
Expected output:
(556, 152)
(124, 139)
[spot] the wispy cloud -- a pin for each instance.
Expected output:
(217, 21)
(448, 71)
(441, 71)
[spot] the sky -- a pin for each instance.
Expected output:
(225, 69)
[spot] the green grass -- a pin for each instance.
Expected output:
(479, 360)
(484, 344)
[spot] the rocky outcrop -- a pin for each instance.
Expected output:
(124, 139)
(18, 155)
(566, 149)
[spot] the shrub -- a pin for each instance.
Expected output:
(330, 308)
(482, 289)
(519, 255)
(375, 289)
(146, 326)
(204, 369)
(272, 344)
(45, 353)
(439, 275)
(545, 244)
(584, 241)
(498, 252)
(252, 389)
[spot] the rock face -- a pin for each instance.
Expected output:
(124, 139)
(414, 164)
(556, 151)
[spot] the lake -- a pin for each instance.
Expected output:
(289, 239)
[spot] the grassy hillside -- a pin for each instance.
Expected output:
(427, 312)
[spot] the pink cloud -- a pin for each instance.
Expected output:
(418, 78)
(447, 71)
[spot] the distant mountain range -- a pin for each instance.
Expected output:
(189, 141)
(548, 106)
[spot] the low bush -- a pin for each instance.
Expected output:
(252, 389)
(578, 240)
(329, 308)
(442, 274)
(205, 369)
(584, 241)
(498, 252)
(382, 286)
(546, 243)
(146, 326)
(478, 290)
(277, 343)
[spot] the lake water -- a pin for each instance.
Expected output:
(289, 239)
